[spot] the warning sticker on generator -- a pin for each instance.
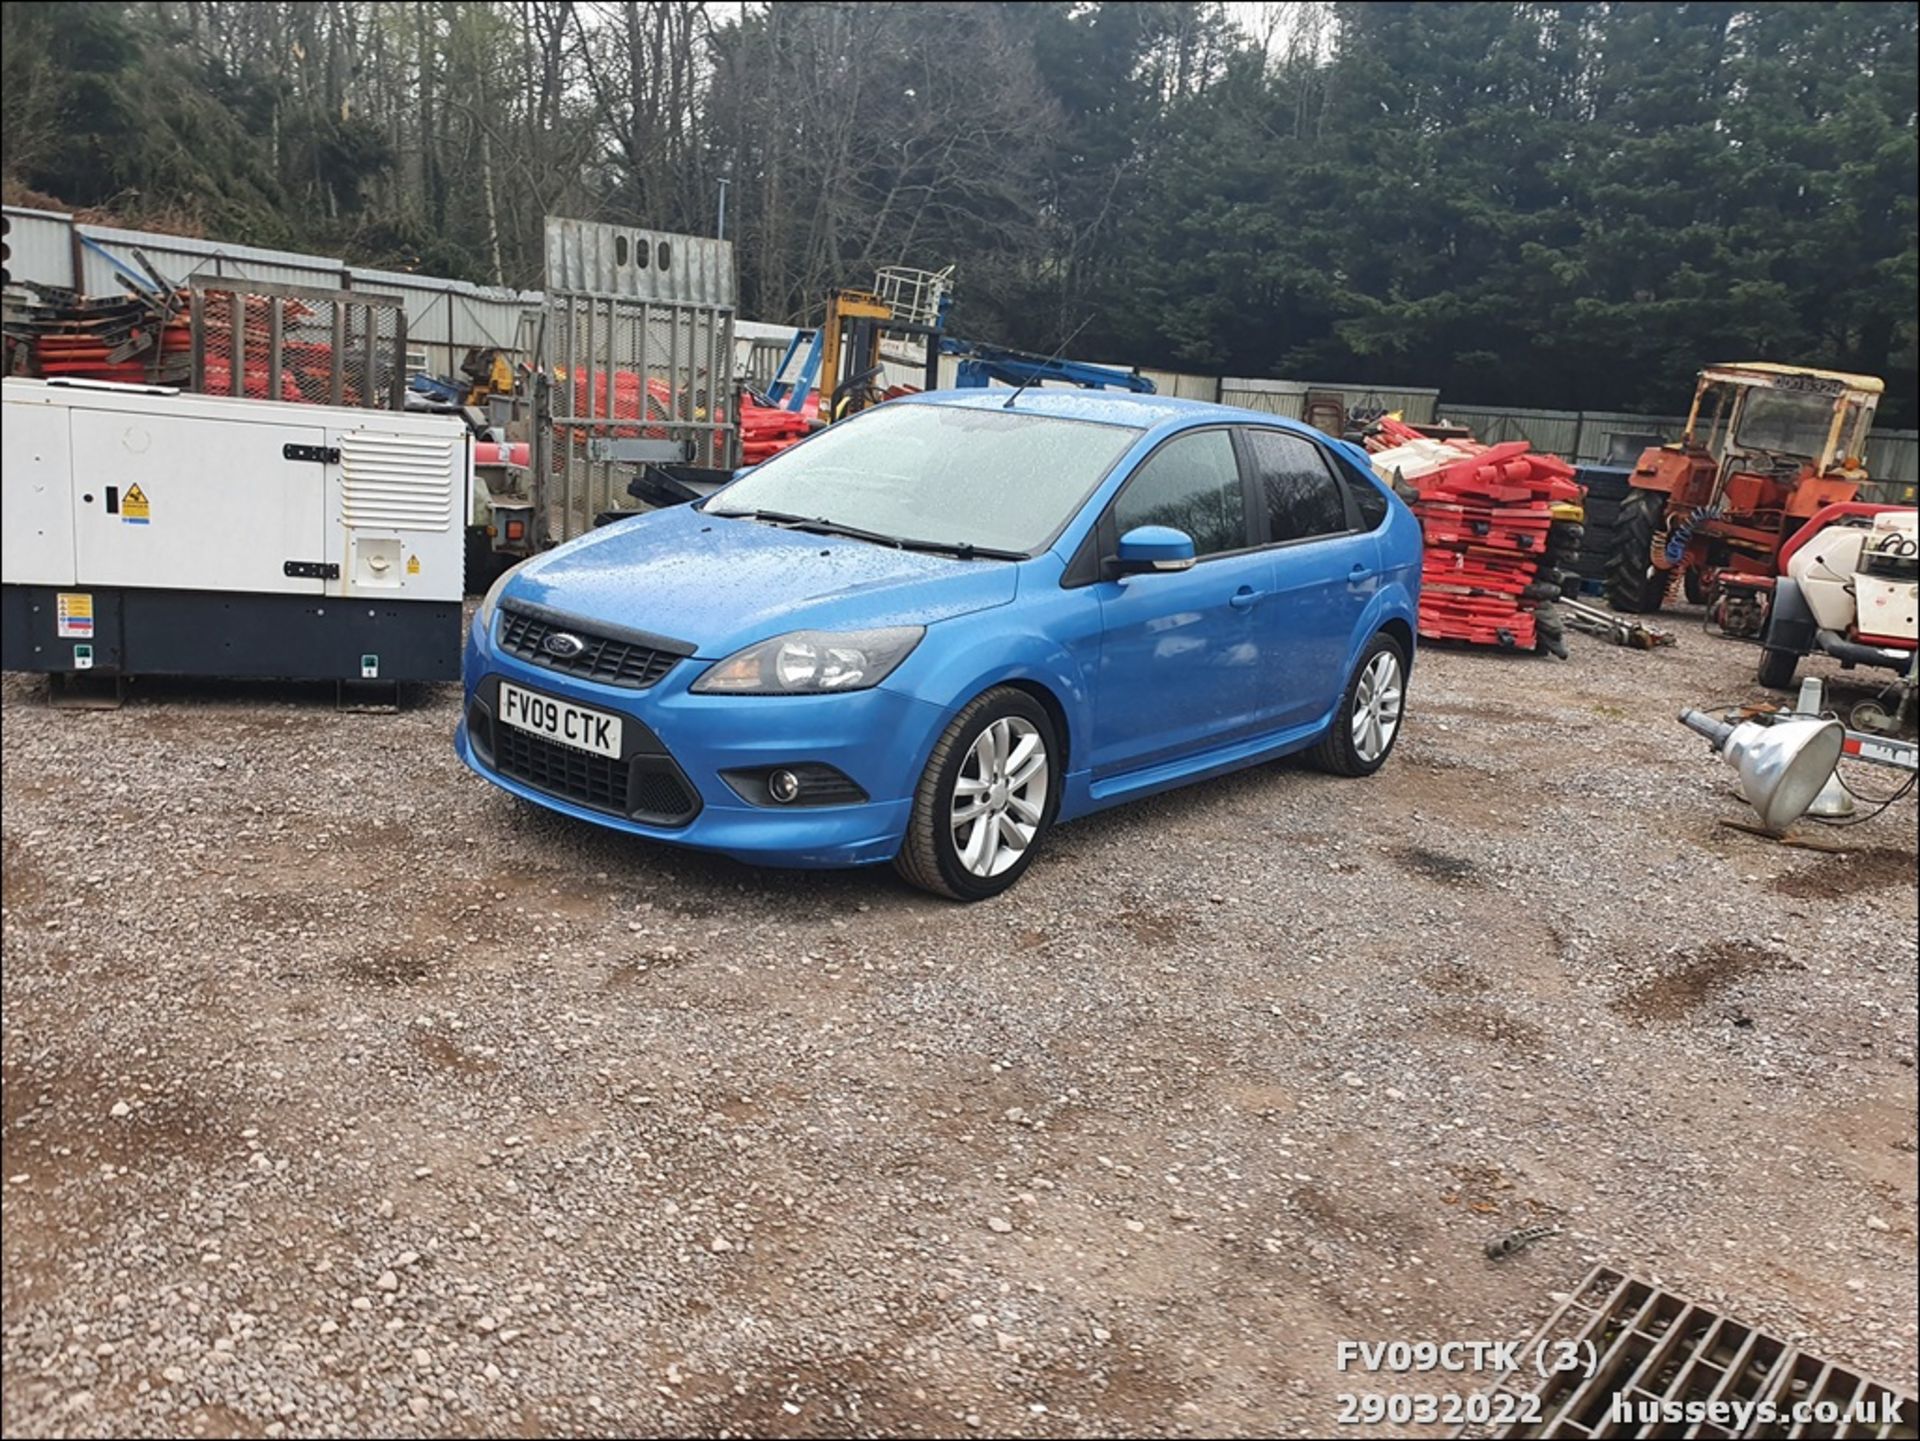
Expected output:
(74, 611)
(413, 565)
(133, 506)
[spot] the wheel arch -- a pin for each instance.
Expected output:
(1051, 704)
(1790, 622)
(1402, 633)
(976, 656)
(1391, 612)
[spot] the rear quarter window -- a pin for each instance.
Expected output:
(1368, 498)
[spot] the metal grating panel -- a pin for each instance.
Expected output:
(594, 258)
(396, 481)
(1653, 1363)
(300, 345)
(628, 353)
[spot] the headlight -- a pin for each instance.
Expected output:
(483, 617)
(812, 662)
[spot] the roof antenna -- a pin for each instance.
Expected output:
(1034, 374)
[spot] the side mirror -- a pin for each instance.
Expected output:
(743, 471)
(1153, 547)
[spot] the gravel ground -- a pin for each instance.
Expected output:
(346, 1095)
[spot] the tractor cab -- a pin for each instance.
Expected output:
(1766, 446)
(1782, 421)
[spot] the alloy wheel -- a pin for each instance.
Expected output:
(1376, 706)
(1000, 796)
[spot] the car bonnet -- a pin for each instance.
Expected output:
(721, 582)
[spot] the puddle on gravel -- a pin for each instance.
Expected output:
(446, 1054)
(1145, 923)
(390, 968)
(1694, 979)
(1863, 870)
(1455, 978)
(1437, 865)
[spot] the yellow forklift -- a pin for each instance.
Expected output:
(904, 304)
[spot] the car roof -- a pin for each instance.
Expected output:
(1144, 412)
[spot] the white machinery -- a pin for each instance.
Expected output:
(1864, 580)
(148, 532)
(1850, 588)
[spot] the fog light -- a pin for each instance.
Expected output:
(783, 786)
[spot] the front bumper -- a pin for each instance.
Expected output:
(879, 738)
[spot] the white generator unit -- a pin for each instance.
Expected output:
(144, 531)
(1863, 581)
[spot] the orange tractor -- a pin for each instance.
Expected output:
(1766, 446)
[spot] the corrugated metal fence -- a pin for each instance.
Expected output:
(1289, 397)
(1893, 456)
(1590, 437)
(445, 318)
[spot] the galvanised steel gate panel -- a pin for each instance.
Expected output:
(636, 345)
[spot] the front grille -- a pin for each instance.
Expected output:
(606, 659)
(649, 787)
(561, 770)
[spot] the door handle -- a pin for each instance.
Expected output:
(1243, 598)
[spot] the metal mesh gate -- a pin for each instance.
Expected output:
(281, 342)
(637, 364)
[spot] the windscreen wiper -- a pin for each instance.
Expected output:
(814, 524)
(772, 517)
(965, 550)
(820, 525)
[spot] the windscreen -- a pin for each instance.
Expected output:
(950, 475)
(1785, 422)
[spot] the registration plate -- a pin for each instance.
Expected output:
(558, 720)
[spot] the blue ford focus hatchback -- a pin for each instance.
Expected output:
(930, 632)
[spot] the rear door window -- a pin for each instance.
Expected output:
(1302, 497)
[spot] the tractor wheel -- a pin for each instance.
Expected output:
(1633, 585)
(1696, 587)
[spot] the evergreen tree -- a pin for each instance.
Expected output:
(1557, 204)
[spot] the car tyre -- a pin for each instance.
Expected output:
(981, 773)
(1367, 723)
